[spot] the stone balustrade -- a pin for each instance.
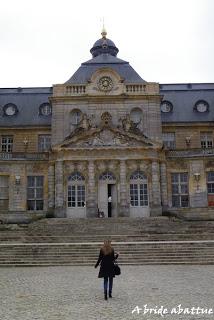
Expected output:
(190, 153)
(75, 89)
(23, 156)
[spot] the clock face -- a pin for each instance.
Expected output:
(105, 83)
(10, 110)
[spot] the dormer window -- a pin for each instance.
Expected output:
(166, 106)
(201, 106)
(45, 109)
(10, 109)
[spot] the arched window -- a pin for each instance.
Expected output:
(75, 117)
(136, 115)
(107, 176)
(138, 189)
(76, 190)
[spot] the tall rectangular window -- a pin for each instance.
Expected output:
(180, 193)
(4, 192)
(76, 196)
(35, 190)
(7, 143)
(138, 194)
(169, 140)
(210, 188)
(44, 142)
(206, 139)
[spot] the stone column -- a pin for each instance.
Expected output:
(124, 206)
(163, 179)
(156, 209)
(51, 187)
(91, 205)
(59, 194)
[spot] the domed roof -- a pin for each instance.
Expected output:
(104, 45)
(99, 43)
(104, 54)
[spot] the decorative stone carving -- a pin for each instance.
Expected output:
(127, 123)
(85, 122)
(132, 165)
(106, 119)
(112, 165)
(109, 138)
(81, 166)
(101, 166)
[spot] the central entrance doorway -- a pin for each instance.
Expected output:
(107, 195)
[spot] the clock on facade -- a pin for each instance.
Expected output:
(105, 83)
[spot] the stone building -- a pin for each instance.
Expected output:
(106, 140)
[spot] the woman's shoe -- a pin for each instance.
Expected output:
(105, 295)
(110, 296)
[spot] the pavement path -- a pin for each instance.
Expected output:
(75, 293)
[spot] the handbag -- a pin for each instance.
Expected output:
(117, 270)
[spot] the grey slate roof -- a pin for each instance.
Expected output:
(183, 98)
(123, 68)
(28, 101)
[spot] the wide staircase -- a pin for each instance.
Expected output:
(158, 240)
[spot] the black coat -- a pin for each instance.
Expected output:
(106, 264)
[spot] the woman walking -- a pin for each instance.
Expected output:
(106, 260)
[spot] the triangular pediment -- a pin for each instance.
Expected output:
(106, 137)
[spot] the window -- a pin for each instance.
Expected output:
(169, 140)
(7, 143)
(76, 190)
(45, 109)
(138, 189)
(136, 115)
(44, 142)
(10, 109)
(166, 106)
(206, 139)
(35, 186)
(75, 117)
(180, 194)
(201, 106)
(210, 188)
(4, 192)
(107, 176)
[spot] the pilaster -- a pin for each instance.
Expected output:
(124, 206)
(91, 205)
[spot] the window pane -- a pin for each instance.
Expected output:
(184, 188)
(174, 177)
(175, 188)
(175, 201)
(184, 201)
(30, 204)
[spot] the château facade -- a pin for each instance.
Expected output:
(107, 140)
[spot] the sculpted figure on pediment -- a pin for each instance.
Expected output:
(107, 138)
(85, 122)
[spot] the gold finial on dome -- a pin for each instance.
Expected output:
(104, 32)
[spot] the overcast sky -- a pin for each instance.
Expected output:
(43, 42)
